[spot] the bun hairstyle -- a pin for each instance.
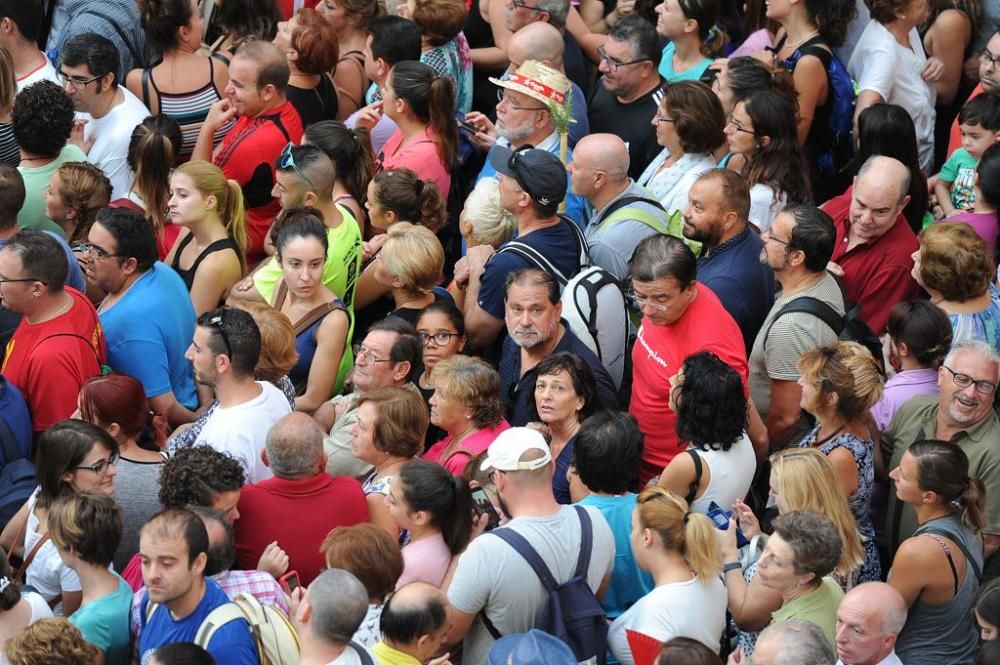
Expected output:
(161, 19)
(943, 468)
(711, 35)
(412, 199)
(848, 370)
(925, 330)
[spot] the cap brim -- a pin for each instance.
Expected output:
(500, 652)
(500, 160)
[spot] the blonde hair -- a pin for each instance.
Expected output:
(84, 188)
(413, 254)
(845, 369)
(8, 81)
(277, 341)
(50, 641)
(679, 530)
(475, 384)
(491, 223)
(211, 181)
(805, 480)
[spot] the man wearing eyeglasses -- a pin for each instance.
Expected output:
(266, 122)
(989, 83)
(106, 111)
(963, 415)
(629, 93)
(59, 343)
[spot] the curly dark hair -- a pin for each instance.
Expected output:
(711, 406)
(884, 11)
(580, 374)
(832, 18)
(196, 475)
(42, 118)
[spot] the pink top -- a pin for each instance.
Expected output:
(425, 560)
(472, 446)
(983, 223)
(420, 155)
(756, 41)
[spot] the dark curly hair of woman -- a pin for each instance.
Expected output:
(196, 475)
(711, 406)
(42, 119)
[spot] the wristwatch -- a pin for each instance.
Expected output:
(732, 565)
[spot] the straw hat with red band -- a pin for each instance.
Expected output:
(537, 81)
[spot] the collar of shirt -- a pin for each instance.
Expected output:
(988, 425)
(550, 143)
(913, 377)
(729, 244)
(388, 655)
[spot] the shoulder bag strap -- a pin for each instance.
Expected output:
(586, 542)
(363, 654)
(530, 254)
(23, 568)
(933, 531)
(698, 471)
(314, 315)
(581, 240)
(810, 305)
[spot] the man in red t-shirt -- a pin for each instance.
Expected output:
(266, 123)
(989, 82)
(59, 343)
(681, 316)
(300, 505)
(874, 241)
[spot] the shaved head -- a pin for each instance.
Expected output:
(537, 41)
(603, 152)
(881, 172)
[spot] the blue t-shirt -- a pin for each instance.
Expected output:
(153, 352)
(232, 643)
(744, 285)
(667, 66)
(629, 583)
(104, 623)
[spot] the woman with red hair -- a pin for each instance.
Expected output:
(117, 403)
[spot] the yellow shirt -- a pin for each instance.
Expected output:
(386, 655)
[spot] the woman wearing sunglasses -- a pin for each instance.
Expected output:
(73, 456)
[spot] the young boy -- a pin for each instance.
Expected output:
(979, 123)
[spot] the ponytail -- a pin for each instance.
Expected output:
(442, 114)
(432, 207)
(154, 435)
(235, 221)
(714, 42)
(943, 468)
(457, 527)
(680, 530)
(351, 153)
(431, 99)
(700, 547)
(972, 503)
(430, 487)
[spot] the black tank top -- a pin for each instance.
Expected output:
(188, 275)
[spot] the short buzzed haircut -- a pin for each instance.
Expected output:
(133, 234)
(11, 195)
(180, 523)
(733, 188)
(339, 603)
(272, 67)
(394, 39)
(294, 445)
(313, 164)
(42, 257)
(814, 234)
(98, 53)
(557, 10)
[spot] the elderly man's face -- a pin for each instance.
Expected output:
(967, 405)
(875, 208)
(531, 319)
(859, 632)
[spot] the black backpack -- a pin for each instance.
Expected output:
(850, 327)
(572, 612)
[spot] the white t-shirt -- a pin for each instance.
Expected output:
(349, 657)
(764, 205)
(39, 610)
(695, 609)
(112, 134)
(731, 473)
(47, 574)
(880, 64)
(45, 72)
(241, 430)
(492, 575)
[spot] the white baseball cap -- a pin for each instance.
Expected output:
(505, 452)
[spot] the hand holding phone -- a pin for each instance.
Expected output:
(720, 518)
(481, 505)
(289, 581)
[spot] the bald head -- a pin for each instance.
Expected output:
(413, 616)
(295, 447)
(869, 618)
(537, 41)
(881, 172)
(603, 152)
(881, 602)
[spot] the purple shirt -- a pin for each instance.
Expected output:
(899, 389)
(983, 223)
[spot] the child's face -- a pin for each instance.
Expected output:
(976, 139)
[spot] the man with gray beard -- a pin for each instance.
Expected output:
(535, 330)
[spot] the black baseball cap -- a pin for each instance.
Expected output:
(538, 172)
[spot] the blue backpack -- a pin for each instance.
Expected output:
(838, 148)
(572, 612)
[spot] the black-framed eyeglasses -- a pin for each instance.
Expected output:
(767, 235)
(519, 4)
(662, 118)
(986, 56)
(4, 280)
(503, 97)
(615, 65)
(440, 338)
(964, 381)
(286, 160)
(730, 120)
(96, 250)
(100, 468)
(76, 81)
(219, 323)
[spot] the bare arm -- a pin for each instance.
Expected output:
(846, 469)
(784, 413)
(331, 340)
(909, 570)
(350, 80)
(588, 41)
(133, 81)
(947, 40)
(865, 99)
(494, 57)
(71, 601)
(379, 515)
(215, 277)
(942, 190)
(811, 83)
(15, 526)
(369, 289)
(679, 475)
(167, 404)
(219, 114)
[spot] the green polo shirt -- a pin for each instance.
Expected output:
(916, 420)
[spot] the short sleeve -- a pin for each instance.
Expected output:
(491, 284)
(145, 360)
(787, 339)
(878, 73)
(470, 587)
(232, 644)
(949, 171)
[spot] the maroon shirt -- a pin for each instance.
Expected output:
(298, 514)
(876, 273)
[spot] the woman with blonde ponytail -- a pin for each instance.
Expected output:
(210, 252)
(679, 550)
(938, 569)
(840, 384)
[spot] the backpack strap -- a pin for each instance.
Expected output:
(933, 531)
(533, 256)
(616, 212)
(363, 655)
(216, 619)
(813, 306)
(137, 59)
(698, 472)
(145, 85)
(586, 542)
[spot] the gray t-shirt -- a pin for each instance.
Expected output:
(612, 245)
(137, 489)
(789, 337)
(492, 575)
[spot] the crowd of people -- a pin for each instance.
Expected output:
(519, 332)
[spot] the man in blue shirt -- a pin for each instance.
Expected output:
(173, 547)
(730, 263)
(147, 316)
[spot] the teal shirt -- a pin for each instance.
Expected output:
(36, 179)
(667, 67)
(104, 623)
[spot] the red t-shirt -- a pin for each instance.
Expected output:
(247, 156)
(955, 136)
(298, 514)
(420, 155)
(286, 6)
(49, 361)
(876, 274)
(659, 353)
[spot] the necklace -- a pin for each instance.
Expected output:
(802, 40)
(819, 442)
